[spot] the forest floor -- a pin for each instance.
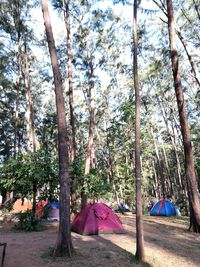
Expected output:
(167, 244)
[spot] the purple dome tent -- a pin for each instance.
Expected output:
(97, 218)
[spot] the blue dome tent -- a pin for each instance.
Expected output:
(54, 205)
(163, 207)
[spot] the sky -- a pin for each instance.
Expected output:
(58, 26)
(126, 12)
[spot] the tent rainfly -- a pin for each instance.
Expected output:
(163, 207)
(96, 218)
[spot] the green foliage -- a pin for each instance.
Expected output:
(181, 203)
(19, 174)
(95, 185)
(104, 38)
(77, 169)
(7, 207)
(28, 222)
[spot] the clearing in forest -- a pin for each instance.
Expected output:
(167, 244)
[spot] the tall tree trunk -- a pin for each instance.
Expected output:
(192, 63)
(71, 97)
(7, 143)
(176, 129)
(70, 78)
(30, 125)
(64, 244)
(159, 167)
(156, 183)
(173, 141)
(91, 119)
(189, 161)
(18, 57)
(20, 143)
(116, 194)
(91, 126)
(16, 116)
(33, 144)
(108, 160)
(139, 216)
(28, 111)
(169, 181)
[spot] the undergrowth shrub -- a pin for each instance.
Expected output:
(28, 222)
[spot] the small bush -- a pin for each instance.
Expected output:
(28, 222)
(8, 205)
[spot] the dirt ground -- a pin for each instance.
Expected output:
(167, 243)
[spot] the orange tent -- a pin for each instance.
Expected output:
(21, 206)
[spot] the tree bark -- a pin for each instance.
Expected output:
(156, 183)
(18, 57)
(189, 161)
(30, 125)
(91, 126)
(30, 115)
(28, 111)
(169, 180)
(71, 97)
(139, 217)
(70, 77)
(192, 63)
(173, 141)
(16, 117)
(7, 142)
(64, 244)
(91, 118)
(160, 171)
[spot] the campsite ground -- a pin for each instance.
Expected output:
(167, 243)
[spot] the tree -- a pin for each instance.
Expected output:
(63, 7)
(64, 244)
(91, 107)
(139, 222)
(70, 77)
(189, 161)
(34, 168)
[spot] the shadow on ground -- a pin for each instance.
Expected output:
(163, 240)
(95, 251)
(169, 235)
